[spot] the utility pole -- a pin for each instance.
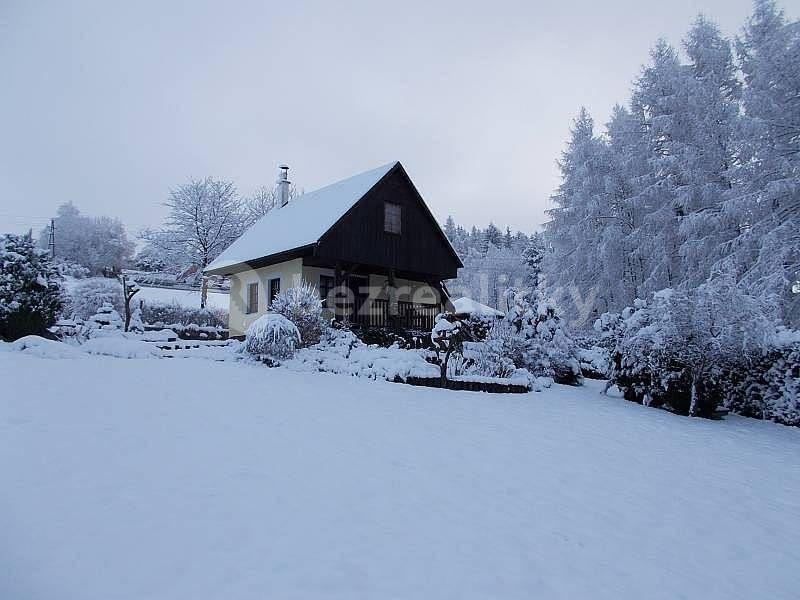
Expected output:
(52, 242)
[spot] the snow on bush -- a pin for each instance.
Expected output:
(68, 268)
(119, 346)
(530, 343)
(166, 314)
(770, 387)
(86, 297)
(689, 350)
(302, 306)
(492, 356)
(44, 348)
(342, 352)
(595, 362)
(540, 342)
(781, 392)
(137, 323)
(106, 318)
(448, 336)
(272, 335)
(30, 288)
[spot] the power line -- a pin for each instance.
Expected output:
(52, 238)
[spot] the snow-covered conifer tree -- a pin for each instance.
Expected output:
(576, 224)
(30, 288)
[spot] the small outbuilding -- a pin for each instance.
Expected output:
(467, 307)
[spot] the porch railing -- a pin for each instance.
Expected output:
(410, 315)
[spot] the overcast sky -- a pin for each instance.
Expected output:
(111, 106)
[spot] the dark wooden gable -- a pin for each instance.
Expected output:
(358, 237)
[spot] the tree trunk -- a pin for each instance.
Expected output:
(693, 403)
(203, 291)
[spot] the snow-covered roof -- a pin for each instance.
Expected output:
(468, 306)
(301, 222)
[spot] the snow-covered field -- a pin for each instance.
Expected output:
(132, 479)
(190, 298)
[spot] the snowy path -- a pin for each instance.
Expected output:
(192, 479)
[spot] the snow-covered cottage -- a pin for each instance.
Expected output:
(368, 243)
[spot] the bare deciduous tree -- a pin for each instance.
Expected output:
(205, 217)
(263, 200)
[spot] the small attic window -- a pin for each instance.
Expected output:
(392, 217)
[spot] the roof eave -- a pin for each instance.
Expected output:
(261, 262)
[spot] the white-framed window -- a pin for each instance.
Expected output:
(392, 217)
(252, 298)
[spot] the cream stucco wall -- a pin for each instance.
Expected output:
(292, 273)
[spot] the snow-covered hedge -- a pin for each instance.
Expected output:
(167, 314)
(690, 351)
(770, 387)
(119, 346)
(302, 306)
(192, 331)
(272, 335)
(30, 288)
(342, 352)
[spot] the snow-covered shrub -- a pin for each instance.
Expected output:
(781, 394)
(89, 295)
(120, 347)
(595, 362)
(340, 351)
(769, 388)
(493, 356)
(487, 361)
(30, 288)
(136, 324)
(272, 335)
(447, 337)
(43, 348)
(168, 314)
(68, 268)
(595, 349)
(477, 326)
(687, 350)
(302, 306)
(386, 337)
(106, 318)
(542, 344)
(608, 328)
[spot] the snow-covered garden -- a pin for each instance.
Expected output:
(190, 478)
(291, 464)
(605, 407)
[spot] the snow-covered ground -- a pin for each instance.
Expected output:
(133, 479)
(190, 298)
